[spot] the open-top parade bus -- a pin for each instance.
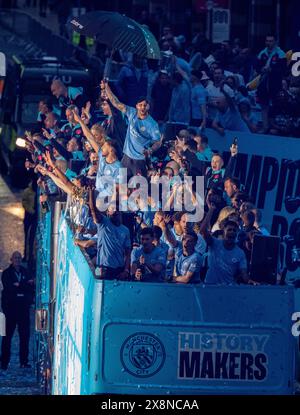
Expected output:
(96, 336)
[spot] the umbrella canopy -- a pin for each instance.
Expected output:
(117, 32)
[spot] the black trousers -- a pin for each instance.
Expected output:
(134, 167)
(16, 316)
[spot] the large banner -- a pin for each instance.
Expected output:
(264, 167)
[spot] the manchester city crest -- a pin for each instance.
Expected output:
(142, 354)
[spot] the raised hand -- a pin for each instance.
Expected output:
(46, 134)
(48, 159)
(76, 116)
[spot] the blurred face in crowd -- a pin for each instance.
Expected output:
(50, 121)
(16, 259)
(174, 166)
(218, 75)
(58, 89)
(164, 79)
(270, 42)
(105, 108)
(213, 66)
(201, 146)
(230, 233)
(230, 188)
(43, 108)
(168, 172)
(231, 82)
(69, 116)
(72, 145)
(236, 201)
(147, 241)
(114, 215)
(142, 108)
(87, 146)
(94, 157)
(184, 224)
(217, 162)
(188, 245)
(158, 218)
(98, 134)
(106, 149)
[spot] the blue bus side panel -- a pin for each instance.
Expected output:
(72, 317)
(43, 260)
(183, 339)
(121, 337)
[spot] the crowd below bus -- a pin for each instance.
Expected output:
(72, 153)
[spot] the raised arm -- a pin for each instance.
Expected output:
(96, 215)
(67, 155)
(205, 224)
(66, 187)
(166, 231)
(113, 99)
(57, 172)
(87, 132)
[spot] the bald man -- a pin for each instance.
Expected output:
(67, 96)
(17, 296)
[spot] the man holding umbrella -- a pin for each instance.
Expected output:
(143, 136)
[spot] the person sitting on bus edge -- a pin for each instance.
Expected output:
(143, 136)
(227, 263)
(147, 261)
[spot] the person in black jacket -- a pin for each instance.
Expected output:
(17, 297)
(114, 125)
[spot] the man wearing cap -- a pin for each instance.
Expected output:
(142, 137)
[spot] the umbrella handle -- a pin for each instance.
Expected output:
(107, 67)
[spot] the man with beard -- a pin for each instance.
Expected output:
(114, 245)
(227, 263)
(142, 137)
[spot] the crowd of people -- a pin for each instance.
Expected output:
(224, 86)
(133, 236)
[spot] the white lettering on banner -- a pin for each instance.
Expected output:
(74, 306)
(296, 326)
(264, 169)
(296, 66)
(222, 356)
(66, 79)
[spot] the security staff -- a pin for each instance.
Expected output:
(17, 297)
